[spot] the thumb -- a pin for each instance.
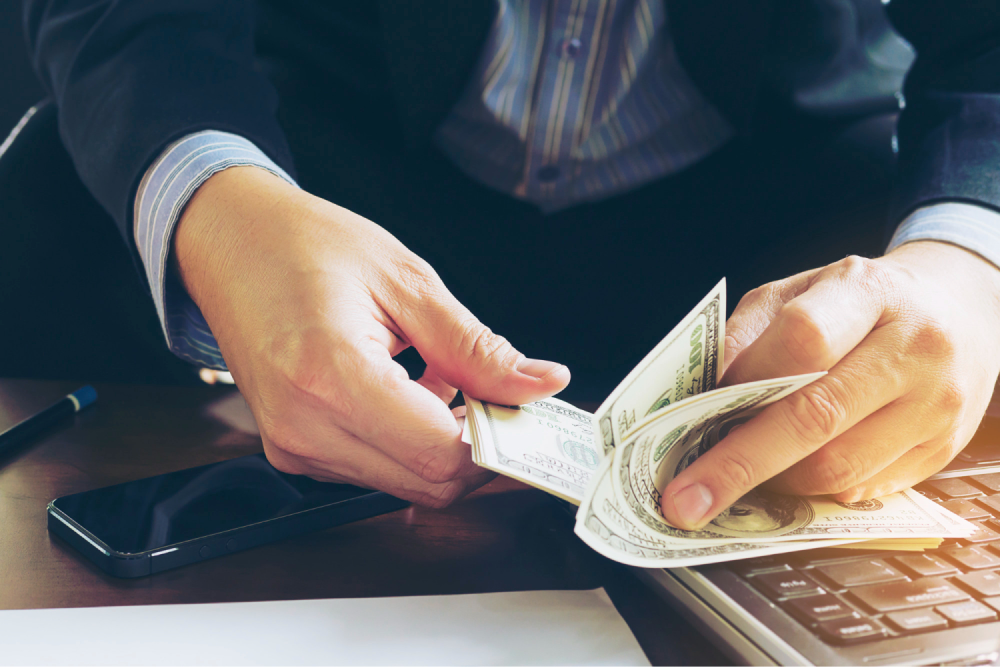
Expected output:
(464, 353)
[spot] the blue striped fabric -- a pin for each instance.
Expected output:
(163, 193)
(576, 100)
(571, 101)
(972, 227)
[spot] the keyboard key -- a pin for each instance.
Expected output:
(965, 509)
(954, 487)
(826, 555)
(981, 584)
(786, 584)
(990, 482)
(990, 503)
(882, 598)
(818, 608)
(929, 494)
(971, 558)
(980, 453)
(924, 565)
(983, 534)
(760, 564)
(993, 602)
(916, 620)
(859, 573)
(851, 630)
(966, 613)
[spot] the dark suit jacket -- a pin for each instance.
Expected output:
(130, 76)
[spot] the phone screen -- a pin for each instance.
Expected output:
(155, 512)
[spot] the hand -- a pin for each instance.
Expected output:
(309, 303)
(912, 345)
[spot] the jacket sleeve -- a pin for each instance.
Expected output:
(130, 76)
(949, 131)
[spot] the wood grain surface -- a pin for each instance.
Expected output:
(504, 537)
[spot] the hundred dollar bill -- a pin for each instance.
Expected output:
(603, 524)
(688, 361)
(549, 444)
(665, 446)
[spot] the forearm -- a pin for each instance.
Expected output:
(130, 78)
(949, 130)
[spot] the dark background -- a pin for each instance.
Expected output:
(19, 88)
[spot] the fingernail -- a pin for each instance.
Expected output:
(537, 368)
(692, 503)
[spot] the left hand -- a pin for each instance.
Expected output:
(912, 345)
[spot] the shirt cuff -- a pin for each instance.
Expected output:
(969, 226)
(165, 190)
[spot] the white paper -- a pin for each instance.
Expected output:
(530, 628)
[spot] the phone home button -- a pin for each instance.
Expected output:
(205, 552)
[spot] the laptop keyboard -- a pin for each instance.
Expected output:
(849, 596)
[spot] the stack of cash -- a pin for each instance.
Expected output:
(667, 412)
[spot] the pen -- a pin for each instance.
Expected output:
(35, 424)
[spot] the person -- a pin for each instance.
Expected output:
(579, 173)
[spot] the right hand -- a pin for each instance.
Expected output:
(309, 303)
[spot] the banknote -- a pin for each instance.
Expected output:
(688, 361)
(540, 444)
(548, 444)
(664, 447)
(661, 418)
(602, 523)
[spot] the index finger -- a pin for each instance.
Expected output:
(815, 329)
(783, 434)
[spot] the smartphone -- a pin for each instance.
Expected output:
(158, 523)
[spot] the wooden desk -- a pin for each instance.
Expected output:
(504, 537)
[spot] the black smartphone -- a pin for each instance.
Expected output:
(158, 523)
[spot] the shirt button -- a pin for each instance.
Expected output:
(548, 173)
(571, 47)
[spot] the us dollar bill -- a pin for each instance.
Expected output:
(602, 522)
(662, 448)
(667, 413)
(687, 362)
(548, 444)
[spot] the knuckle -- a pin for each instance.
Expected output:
(836, 471)
(804, 337)
(942, 456)
(951, 399)
(753, 297)
(739, 471)
(873, 275)
(438, 465)
(485, 348)
(933, 339)
(416, 275)
(853, 266)
(863, 270)
(813, 414)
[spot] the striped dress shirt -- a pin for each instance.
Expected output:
(571, 101)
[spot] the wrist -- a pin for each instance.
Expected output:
(213, 236)
(952, 265)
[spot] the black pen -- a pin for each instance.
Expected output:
(37, 423)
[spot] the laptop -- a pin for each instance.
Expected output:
(863, 607)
